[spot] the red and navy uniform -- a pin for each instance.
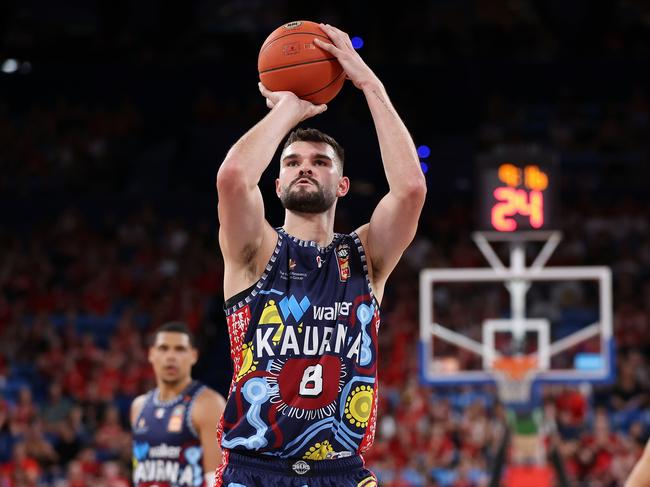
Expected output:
(304, 347)
(166, 447)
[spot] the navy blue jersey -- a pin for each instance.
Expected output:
(166, 448)
(304, 348)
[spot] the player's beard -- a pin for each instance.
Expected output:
(171, 382)
(303, 200)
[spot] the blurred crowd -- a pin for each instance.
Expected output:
(79, 299)
(108, 225)
(75, 312)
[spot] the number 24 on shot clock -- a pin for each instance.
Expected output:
(517, 192)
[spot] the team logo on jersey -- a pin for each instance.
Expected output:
(343, 261)
(175, 423)
(160, 413)
(292, 264)
(319, 261)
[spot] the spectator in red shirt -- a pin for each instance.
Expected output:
(110, 436)
(25, 411)
(22, 470)
(37, 447)
(112, 476)
(76, 477)
(441, 449)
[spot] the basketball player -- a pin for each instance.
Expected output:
(303, 301)
(640, 476)
(174, 425)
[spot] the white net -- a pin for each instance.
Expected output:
(513, 391)
(514, 377)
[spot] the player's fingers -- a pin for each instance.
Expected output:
(330, 29)
(333, 33)
(314, 110)
(269, 103)
(329, 47)
(263, 89)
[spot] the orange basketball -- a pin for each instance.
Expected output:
(289, 60)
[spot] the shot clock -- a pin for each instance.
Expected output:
(517, 191)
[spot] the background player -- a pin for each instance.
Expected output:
(303, 300)
(174, 425)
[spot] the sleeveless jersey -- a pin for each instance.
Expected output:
(304, 349)
(166, 448)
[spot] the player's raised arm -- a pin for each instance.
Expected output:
(243, 228)
(394, 221)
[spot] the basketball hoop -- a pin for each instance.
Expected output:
(514, 376)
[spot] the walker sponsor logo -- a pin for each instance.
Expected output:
(312, 341)
(165, 451)
(167, 471)
(291, 306)
(332, 312)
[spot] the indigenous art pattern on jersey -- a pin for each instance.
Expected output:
(304, 349)
(166, 448)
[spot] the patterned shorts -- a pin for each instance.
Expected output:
(263, 471)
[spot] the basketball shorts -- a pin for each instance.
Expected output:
(248, 470)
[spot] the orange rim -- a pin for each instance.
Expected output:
(515, 367)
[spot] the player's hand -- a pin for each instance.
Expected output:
(305, 109)
(355, 68)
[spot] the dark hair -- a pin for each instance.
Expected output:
(315, 135)
(176, 327)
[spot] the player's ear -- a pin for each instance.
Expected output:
(195, 356)
(343, 186)
(150, 355)
(277, 187)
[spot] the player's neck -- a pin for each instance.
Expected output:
(316, 227)
(170, 391)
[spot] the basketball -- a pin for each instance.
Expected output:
(289, 60)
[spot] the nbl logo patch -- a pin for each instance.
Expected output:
(301, 467)
(343, 261)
